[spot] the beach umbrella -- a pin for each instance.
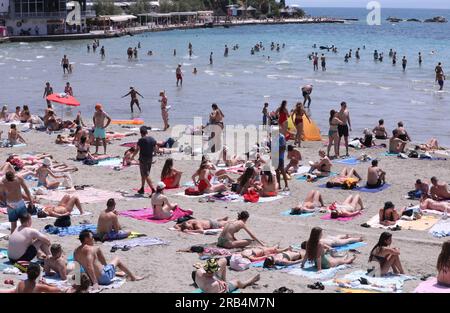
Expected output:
(63, 98)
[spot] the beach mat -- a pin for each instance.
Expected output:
(347, 161)
(129, 144)
(116, 282)
(147, 215)
(350, 246)
(88, 195)
(422, 224)
(301, 170)
(431, 286)
(389, 154)
(138, 242)
(110, 162)
(390, 283)
(360, 189)
(327, 217)
(311, 272)
(288, 213)
(71, 230)
(304, 178)
(441, 229)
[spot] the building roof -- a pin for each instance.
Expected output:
(119, 18)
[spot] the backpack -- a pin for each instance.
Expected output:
(63, 221)
(413, 154)
(192, 191)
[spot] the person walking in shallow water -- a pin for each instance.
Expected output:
(134, 99)
(179, 75)
(440, 77)
(404, 62)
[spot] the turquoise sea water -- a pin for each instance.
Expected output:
(240, 82)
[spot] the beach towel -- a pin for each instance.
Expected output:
(288, 213)
(434, 159)
(135, 242)
(390, 283)
(147, 215)
(304, 178)
(348, 161)
(311, 272)
(71, 230)
(198, 290)
(75, 213)
(259, 264)
(109, 162)
(423, 223)
(301, 170)
(87, 195)
(181, 194)
(129, 144)
(372, 190)
(374, 222)
(350, 246)
(116, 282)
(431, 286)
(389, 154)
(327, 217)
(441, 229)
(349, 290)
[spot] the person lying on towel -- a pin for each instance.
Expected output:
(199, 226)
(352, 206)
(108, 227)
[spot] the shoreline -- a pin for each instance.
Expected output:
(144, 29)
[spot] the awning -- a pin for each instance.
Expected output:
(119, 18)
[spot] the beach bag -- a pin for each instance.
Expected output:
(63, 221)
(169, 143)
(239, 263)
(413, 154)
(90, 162)
(192, 191)
(251, 196)
(32, 209)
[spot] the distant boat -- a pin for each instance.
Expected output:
(436, 19)
(394, 19)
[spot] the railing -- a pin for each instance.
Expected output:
(60, 14)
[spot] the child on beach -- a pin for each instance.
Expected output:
(128, 158)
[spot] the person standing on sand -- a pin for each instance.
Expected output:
(48, 90)
(92, 260)
(164, 109)
(306, 92)
(100, 127)
(65, 64)
(145, 147)
(343, 130)
(134, 100)
(179, 75)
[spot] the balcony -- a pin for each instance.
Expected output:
(60, 14)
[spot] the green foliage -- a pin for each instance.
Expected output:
(106, 7)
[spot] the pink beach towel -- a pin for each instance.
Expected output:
(431, 286)
(147, 215)
(342, 219)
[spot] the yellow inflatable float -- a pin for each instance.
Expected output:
(128, 122)
(310, 130)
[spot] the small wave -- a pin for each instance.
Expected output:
(139, 64)
(211, 73)
(283, 62)
(363, 84)
(2, 63)
(416, 102)
(26, 61)
(23, 43)
(187, 64)
(226, 74)
(48, 47)
(87, 64)
(115, 65)
(293, 76)
(40, 57)
(384, 87)
(273, 76)
(248, 72)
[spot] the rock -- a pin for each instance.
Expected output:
(394, 19)
(413, 20)
(436, 19)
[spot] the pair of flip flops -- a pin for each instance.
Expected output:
(124, 248)
(317, 285)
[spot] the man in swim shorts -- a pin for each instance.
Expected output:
(100, 127)
(11, 188)
(93, 262)
(343, 130)
(179, 75)
(108, 227)
(375, 176)
(306, 92)
(65, 64)
(134, 99)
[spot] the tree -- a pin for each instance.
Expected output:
(106, 7)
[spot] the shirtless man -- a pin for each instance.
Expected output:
(199, 226)
(322, 168)
(26, 243)
(13, 136)
(380, 131)
(48, 90)
(294, 156)
(57, 262)
(65, 64)
(31, 286)
(212, 278)
(312, 202)
(343, 130)
(306, 92)
(228, 240)
(402, 133)
(94, 263)
(375, 176)
(423, 188)
(351, 206)
(396, 145)
(179, 75)
(11, 187)
(439, 190)
(134, 99)
(100, 127)
(63, 208)
(108, 227)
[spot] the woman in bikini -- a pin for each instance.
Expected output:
(285, 258)
(312, 202)
(199, 226)
(128, 158)
(63, 208)
(227, 238)
(4, 113)
(333, 136)
(43, 172)
(299, 112)
(283, 115)
(388, 215)
(169, 175)
(269, 185)
(204, 177)
(351, 206)
(246, 181)
(387, 256)
(443, 265)
(25, 115)
(83, 150)
(162, 208)
(164, 109)
(317, 252)
(258, 253)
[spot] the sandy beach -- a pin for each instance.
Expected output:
(170, 271)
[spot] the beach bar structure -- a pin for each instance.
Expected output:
(113, 22)
(175, 18)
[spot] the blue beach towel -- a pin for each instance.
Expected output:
(288, 213)
(303, 178)
(71, 230)
(372, 190)
(348, 161)
(109, 162)
(349, 246)
(389, 154)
